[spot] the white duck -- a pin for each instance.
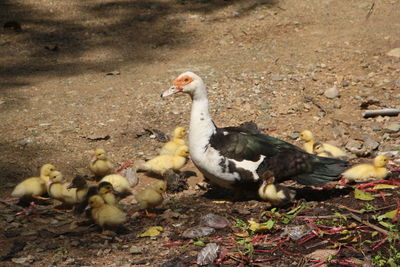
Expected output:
(234, 157)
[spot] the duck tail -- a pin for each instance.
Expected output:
(324, 171)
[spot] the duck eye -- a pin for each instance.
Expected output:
(186, 80)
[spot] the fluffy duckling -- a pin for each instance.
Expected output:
(100, 165)
(121, 183)
(319, 150)
(105, 215)
(170, 147)
(152, 196)
(58, 190)
(365, 172)
(107, 192)
(163, 163)
(308, 139)
(34, 186)
(276, 194)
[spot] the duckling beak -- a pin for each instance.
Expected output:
(70, 186)
(164, 195)
(93, 159)
(172, 90)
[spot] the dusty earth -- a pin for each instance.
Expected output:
(85, 74)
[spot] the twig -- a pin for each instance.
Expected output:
(382, 112)
(373, 226)
(323, 216)
(312, 100)
(371, 9)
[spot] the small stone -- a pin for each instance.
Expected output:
(332, 92)
(294, 135)
(397, 83)
(370, 144)
(175, 112)
(337, 104)
(376, 127)
(198, 231)
(135, 250)
(25, 141)
(338, 131)
(393, 127)
(276, 77)
(29, 233)
(394, 52)
(354, 146)
(345, 83)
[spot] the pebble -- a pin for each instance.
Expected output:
(332, 92)
(276, 77)
(135, 250)
(354, 146)
(294, 135)
(397, 83)
(394, 52)
(393, 127)
(175, 112)
(345, 83)
(337, 104)
(376, 127)
(370, 144)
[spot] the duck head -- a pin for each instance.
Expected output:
(306, 136)
(106, 187)
(77, 182)
(99, 154)
(187, 82)
(47, 169)
(179, 132)
(96, 201)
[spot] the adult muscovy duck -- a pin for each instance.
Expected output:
(236, 157)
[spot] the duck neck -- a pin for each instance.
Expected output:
(201, 124)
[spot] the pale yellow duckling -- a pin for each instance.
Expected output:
(163, 163)
(308, 139)
(100, 165)
(58, 190)
(365, 172)
(105, 215)
(276, 194)
(152, 196)
(170, 147)
(120, 183)
(106, 191)
(34, 186)
(320, 151)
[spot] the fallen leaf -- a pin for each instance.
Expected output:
(322, 254)
(389, 215)
(152, 231)
(260, 227)
(385, 186)
(362, 195)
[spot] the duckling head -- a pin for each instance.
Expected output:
(96, 201)
(381, 161)
(106, 187)
(182, 151)
(160, 186)
(99, 154)
(179, 132)
(47, 169)
(318, 148)
(306, 136)
(55, 177)
(77, 182)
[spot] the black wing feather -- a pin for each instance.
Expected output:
(283, 159)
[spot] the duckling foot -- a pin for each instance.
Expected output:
(40, 198)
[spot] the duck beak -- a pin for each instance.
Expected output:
(93, 159)
(172, 90)
(70, 186)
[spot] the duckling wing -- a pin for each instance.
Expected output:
(148, 198)
(360, 172)
(33, 186)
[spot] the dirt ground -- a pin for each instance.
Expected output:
(85, 74)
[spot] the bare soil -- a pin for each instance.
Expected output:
(85, 74)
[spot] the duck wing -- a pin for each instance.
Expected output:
(284, 160)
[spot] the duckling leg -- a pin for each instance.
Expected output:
(40, 198)
(148, 214)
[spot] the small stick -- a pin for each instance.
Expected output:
(312, 100)
(373, 226)
(382, 112)
(371, 9)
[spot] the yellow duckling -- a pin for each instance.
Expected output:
(163, 163)
(320, 151)
(99, 165)
(58, 190)
(106, 191)
(276, 194)
(308, 138)
(365, 172)
(105, 215)
(34, 186)
(170, 147)
(152, 196)
(120, 183)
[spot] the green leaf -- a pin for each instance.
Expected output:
(388, 215)
(374, 233)
(387, 224)
(385, 186)
(199, 243)
(362, 195)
